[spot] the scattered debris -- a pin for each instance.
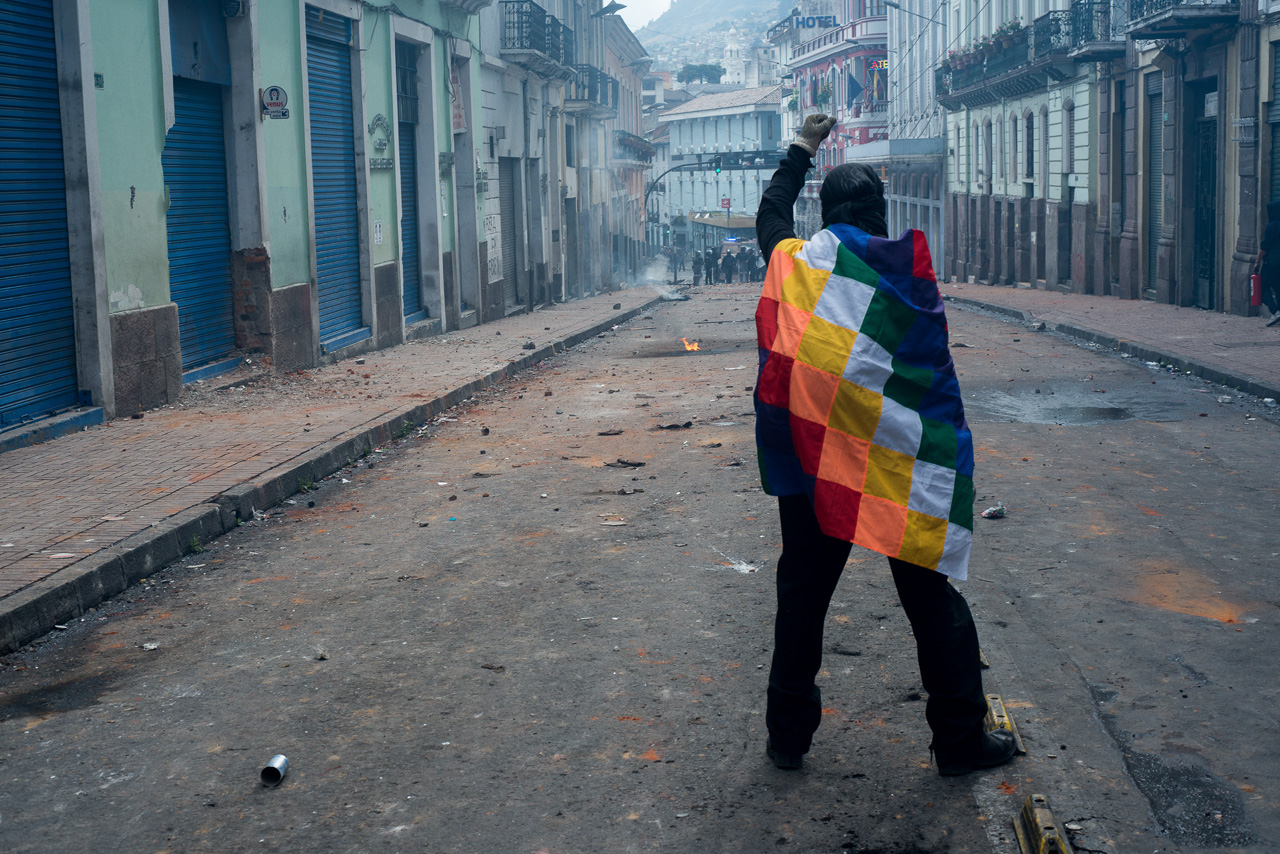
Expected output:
(1038, 326)
(496, 668)
(672, 296)
(529, 345)
(997, 512)
(484, 431)
(150, 646)
(685, 426)
(617, 306)
(610, 433)
(625, 464)
(627, 491)
(321, 654)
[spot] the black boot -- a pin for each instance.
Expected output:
(996, 748)
(783, 760)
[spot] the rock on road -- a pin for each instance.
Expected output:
(543, 624)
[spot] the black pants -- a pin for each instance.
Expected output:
(946, 640)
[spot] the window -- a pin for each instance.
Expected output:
(407, 82)
(1000, 142)
(1030, 158)
(872, 8)
(569, 156)
(1069, 137)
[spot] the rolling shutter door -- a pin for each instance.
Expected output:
(37, 332)
(1273, 116)
(198, 222)
(1155, 175)
(507, 205)
(409, 220)
(333, 169)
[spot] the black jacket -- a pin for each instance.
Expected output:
(775, 221)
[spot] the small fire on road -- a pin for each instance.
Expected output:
(690, 345)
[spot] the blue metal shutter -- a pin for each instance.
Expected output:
(37, 332)
(333, 169)
(409, 222)
(195, 172)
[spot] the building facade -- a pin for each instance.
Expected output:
(915, 181)
(837, 56)
(1184, 179)
(193, 181)
(724, 148)
(1022, 136)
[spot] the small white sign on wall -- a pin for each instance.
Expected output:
(377, 232)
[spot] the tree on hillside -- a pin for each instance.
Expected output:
(701, 73)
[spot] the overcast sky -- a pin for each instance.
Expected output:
(640, 12)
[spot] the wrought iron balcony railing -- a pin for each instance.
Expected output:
(593, 92)
(1015, 64)
(1097, 30)
(1154, 19)
(630, 148)
(1051, 35)
(535, 39)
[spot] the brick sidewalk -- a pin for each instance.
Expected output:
(85, 515)
(1241, 352)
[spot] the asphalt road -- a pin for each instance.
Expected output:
(494, 636)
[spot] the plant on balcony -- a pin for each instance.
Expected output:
(793, 103)
(1007, 32)
(824, 94)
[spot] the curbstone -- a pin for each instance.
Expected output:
(1241, 382)
(31, 613)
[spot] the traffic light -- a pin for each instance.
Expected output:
(716, 162)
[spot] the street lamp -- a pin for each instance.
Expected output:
(933, 20)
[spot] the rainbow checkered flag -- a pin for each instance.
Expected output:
(857, 403)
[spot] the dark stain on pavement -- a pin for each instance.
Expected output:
(59, 697)
(1192, 804)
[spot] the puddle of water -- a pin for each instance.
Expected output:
(1064, 408)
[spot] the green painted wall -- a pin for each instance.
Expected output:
(130, 106)
(379, 91)
(280, 46)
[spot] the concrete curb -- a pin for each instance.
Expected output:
(1240, 382)
(70, 592)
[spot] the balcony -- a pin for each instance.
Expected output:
(1165, 19)
(471, 7)
(630, 150)
(1095, 35)
(592, 93)
(536, 40)
(1051, 36)
(1011, 65)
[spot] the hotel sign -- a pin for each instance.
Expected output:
(814, 22)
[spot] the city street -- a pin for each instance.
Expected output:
(542, 623)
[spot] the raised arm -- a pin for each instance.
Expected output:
(775, 221)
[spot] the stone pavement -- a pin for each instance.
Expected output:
(85, 515)
(1241, 352)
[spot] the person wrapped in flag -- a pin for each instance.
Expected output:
(861, 436)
